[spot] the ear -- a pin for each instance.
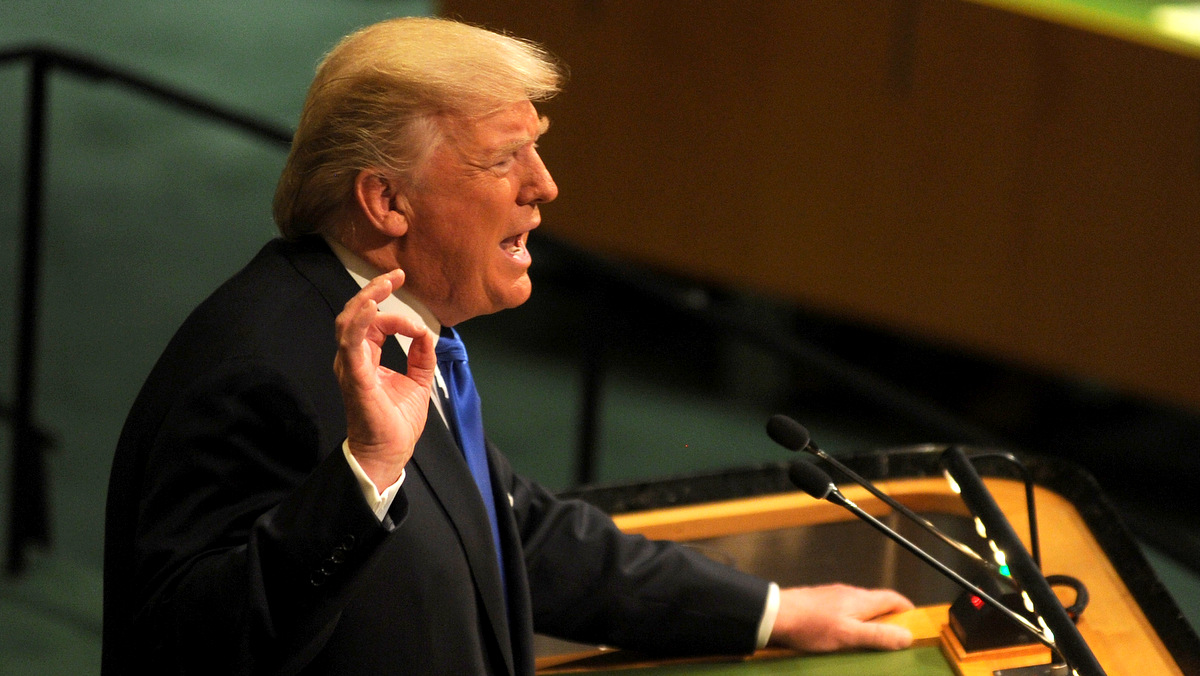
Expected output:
(380, 203)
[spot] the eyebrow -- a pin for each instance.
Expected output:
(516, 144)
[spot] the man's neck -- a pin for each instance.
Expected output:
(363, 272)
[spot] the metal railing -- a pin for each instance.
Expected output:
(29, 521)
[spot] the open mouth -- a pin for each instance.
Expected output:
(515, 246)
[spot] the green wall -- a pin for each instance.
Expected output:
(147, 208)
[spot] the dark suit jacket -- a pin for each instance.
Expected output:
(238, 541)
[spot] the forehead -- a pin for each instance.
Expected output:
(512, 126)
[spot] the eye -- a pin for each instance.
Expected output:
(505, 160)
(504, 163)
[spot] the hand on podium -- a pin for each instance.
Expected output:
(839, 617)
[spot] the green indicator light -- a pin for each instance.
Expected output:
(1004, 571)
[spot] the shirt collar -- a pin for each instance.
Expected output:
(400, 302)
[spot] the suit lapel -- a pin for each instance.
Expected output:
(442, 466)
(519, 603)
(436, 458)
(313, 259)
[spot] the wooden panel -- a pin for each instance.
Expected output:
(977, 176)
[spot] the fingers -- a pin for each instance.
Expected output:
(362, 309)
(361, 319)
(836, 617)
(876, 636)
(362, 330)
(353, 355)
(868, 604)
(385, 410)
(377, 289)
(388, 323)
(422, 358)
(873, 604)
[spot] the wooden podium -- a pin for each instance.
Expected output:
(749, 517)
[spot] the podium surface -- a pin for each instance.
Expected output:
(753, 520)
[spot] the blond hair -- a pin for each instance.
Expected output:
(373, 103)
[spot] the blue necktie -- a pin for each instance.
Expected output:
(466, 421)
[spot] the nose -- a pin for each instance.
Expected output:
(539, 186)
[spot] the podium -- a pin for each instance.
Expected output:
(753, 519)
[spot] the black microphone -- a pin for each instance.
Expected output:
(792, 436)
(812, 480)
(1002, 538)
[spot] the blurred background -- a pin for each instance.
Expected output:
(898, 221)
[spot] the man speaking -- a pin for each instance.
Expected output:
(303, 485)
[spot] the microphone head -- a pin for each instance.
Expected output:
(788, 433)
(811, 479)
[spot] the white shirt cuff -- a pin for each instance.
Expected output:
(770, 612)
(377, 501)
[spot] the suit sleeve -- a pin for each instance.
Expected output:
(250, 532)
(592, 583)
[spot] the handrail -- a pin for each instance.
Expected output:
(696, 304)
(29, 522)
(48, 58)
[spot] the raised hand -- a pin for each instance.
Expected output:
(385, 410)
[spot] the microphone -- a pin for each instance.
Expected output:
(794, 437)
(1039, 597)
(976, 629)
(812, 480)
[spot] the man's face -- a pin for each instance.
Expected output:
(470, 214)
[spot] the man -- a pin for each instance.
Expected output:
(269, 514)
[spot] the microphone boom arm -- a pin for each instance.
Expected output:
(835, 496)
(905, 511)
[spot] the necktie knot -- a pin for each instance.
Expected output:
(450, 347)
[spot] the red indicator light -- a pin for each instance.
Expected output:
(977, 602)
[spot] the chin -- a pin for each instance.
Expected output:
(516, 295)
